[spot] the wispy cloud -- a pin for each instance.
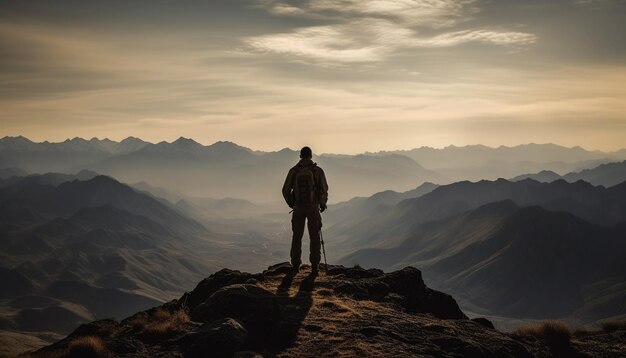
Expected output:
(371, 31)
(434, 13)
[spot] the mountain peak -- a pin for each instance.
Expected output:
(341, 312)
(186, 142)
(16, 140)
(131, 139)
(227, 148)
(277, 313)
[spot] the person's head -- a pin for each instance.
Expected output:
(306, 153)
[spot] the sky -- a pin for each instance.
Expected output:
(342, 76)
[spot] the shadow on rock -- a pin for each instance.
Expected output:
(241, 316)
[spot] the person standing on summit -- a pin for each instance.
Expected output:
(306, 192)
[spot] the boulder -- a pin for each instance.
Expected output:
(221, 337)
(210, 285)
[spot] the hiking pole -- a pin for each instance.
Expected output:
(323, 249)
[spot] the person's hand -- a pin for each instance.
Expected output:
(322, 208)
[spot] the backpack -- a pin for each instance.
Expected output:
(304, 185)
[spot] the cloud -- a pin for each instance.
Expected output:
(372, 40)
(433, 13)
(371, 31)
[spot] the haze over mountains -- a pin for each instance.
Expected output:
(78, 245)
(225, 169)
(220, 170)
(476, 162)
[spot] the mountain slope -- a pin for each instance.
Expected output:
(390, 226)
(41, 194)
(517, 262)
(608, 175)
(367, 206)
(78, 250)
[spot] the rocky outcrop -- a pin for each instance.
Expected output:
(344, 311)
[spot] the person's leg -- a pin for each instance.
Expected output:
(313, 218)
(297, 226)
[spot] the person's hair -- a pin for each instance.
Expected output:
(306, 153)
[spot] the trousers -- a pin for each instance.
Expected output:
(310, 214)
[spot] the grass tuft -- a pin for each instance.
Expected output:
(611, 326)
(161, 322)
(87, 347)
(555, 334)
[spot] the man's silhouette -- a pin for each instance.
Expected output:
(306, 191)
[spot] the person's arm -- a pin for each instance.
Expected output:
(323, 189)
(287, 188)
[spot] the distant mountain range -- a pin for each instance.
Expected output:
(516, 249)
(609, 174)
(476, 162)
(225, 169)
(220, 170)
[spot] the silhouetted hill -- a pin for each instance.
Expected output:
(10, 172)
(348, 312)
(366, 206)
(609, 174)
(517, 262)
(41, 194)
(388, 226)
(92, 249)
(52, 179)
(544, 176)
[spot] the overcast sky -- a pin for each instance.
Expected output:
(342, 76)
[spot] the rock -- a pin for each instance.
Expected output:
(278, 269)
(354, 272)
(102, 328)
(405, 286)
(440, 304)
(210, 285)
(127, 345)
(483, 322)
(259, 310)
(222, 338)
(362, 289)
(239, 300)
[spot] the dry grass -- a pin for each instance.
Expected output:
(87, 347)
(161, 322)
(611, 326)
(555, 334)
